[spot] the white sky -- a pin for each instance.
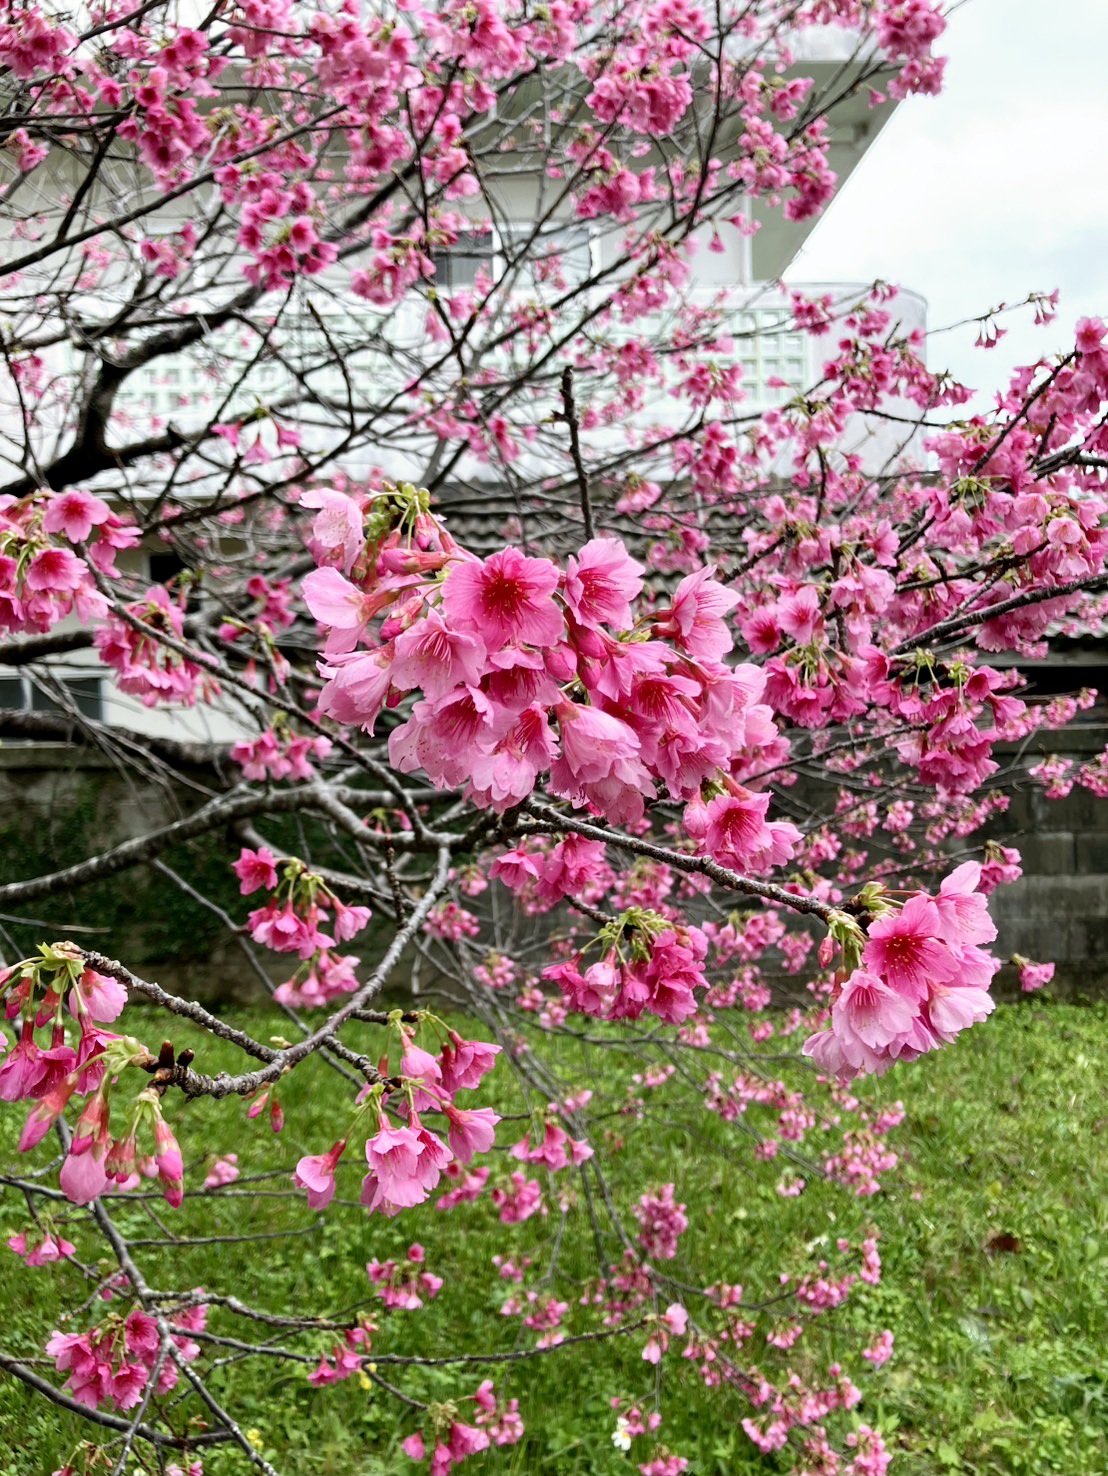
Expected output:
(997, 187)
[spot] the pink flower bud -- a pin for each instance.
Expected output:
(91, 1124)
(47, 1112)
(120, 1162)
(167, 1156)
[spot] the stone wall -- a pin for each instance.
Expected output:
(61, 803)
(1058, 910)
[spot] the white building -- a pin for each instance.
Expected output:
(226, 374)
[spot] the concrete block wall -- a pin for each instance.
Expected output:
(1058, 910)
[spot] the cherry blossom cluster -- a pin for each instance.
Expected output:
(347, 1358)
(279, 755)
(405, 1284)
(447, 1440)
(39, 992)
(301, 905)
(495, 647)
(145, 665)
(42, 578)
(44, 1251)
(915, 981)
(646, 964)
(406, 1160)
(112, 1364)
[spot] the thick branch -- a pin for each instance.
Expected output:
(569, 410)
(956, 623)
(66, 729)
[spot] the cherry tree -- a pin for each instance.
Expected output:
(608, 692)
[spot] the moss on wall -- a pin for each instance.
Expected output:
(54, 818)
(57, 809)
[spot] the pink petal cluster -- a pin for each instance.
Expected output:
(112, 1367)
(662, 980)
(490, 648)
(923, 978)
(144, 666)
(406, 1284)
(497, 1422)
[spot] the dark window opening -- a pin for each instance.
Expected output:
(24, 694)
(571, 244)
(457, 266)
(165, 566)
(1066, 680)
(12, 693)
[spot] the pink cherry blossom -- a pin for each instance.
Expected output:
(99, 996)
(398, 1176)
(507, 597)
(256, 870)
(695, 620)
(83, 1175)
(465, 1063)
(437, 658)
(1034, 975)
(75, 514)
(599, 764)
(472, 1130)
(869, 1011)
(316, 1174)
(904, 948)
(601, 582)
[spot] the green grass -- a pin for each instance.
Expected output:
(994, 1243)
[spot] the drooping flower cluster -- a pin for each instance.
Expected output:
(647, 964)
(921, 978)
(112, 1364)
(406, 1159)
(491, 645)
(449, 1440)
(39, 991)
(279, 755)
(406, 1284)
(301, 905)
(42, 579)
(347, 1358)
(661, 1222)
(145, 665)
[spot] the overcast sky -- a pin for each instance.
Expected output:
(994, 188)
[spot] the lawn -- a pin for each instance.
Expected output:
(994, 1243)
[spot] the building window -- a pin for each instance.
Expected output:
(496, 250)
(769, 347)
(457, 266)
(23, 694)
(563, 252)
(165, 566)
